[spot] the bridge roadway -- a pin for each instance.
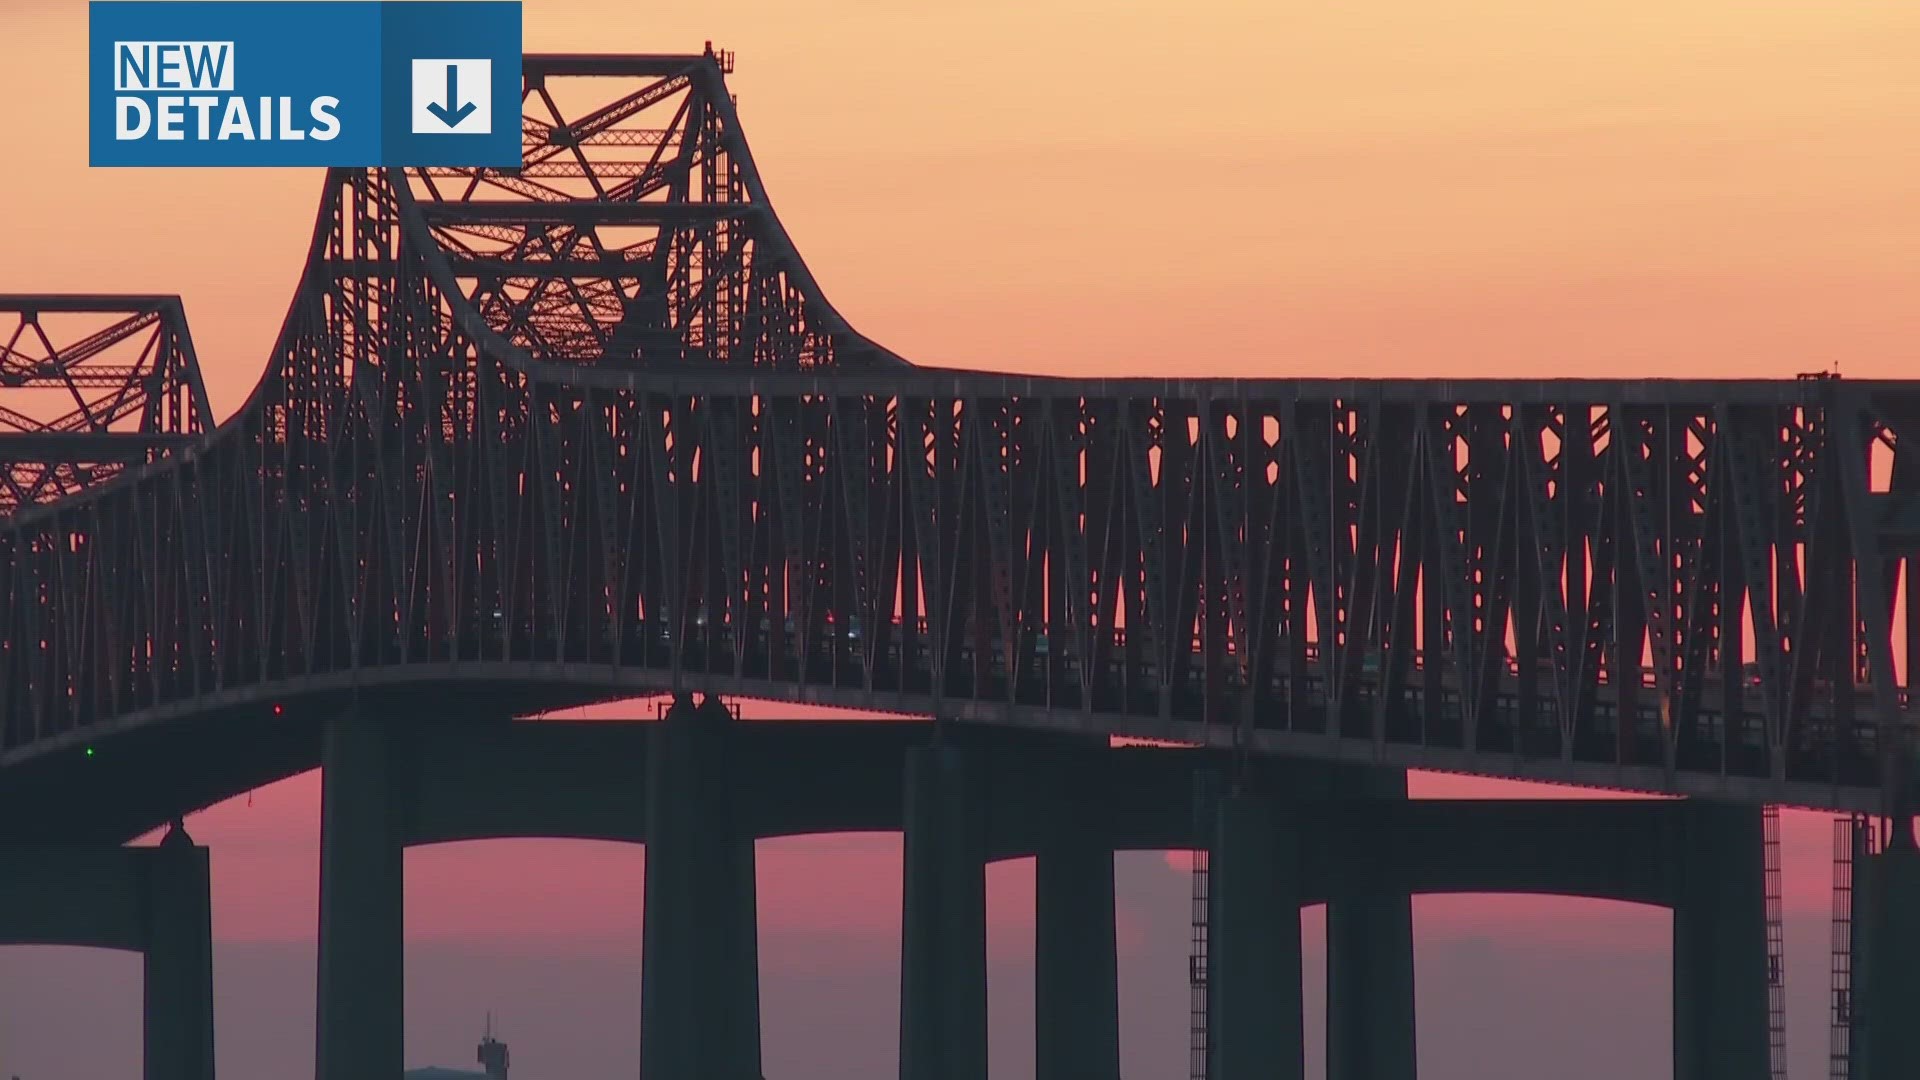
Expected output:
(590, 429)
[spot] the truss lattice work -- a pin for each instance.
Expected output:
(590, 428)
(88, 385)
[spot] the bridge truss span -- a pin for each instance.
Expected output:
(589, 428)
(88, 385)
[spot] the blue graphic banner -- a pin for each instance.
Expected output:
(304, 82)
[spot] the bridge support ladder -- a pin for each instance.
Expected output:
(1886, 959)
(1253, 965)
(1199, 1005)
(700, 982)
(1370, 982)
(943, 925)
(361, 1024)
(1076, 962)
(1852, 842)
(1776, 949)
(1720, 978)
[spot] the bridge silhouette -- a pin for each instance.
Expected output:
(589, 430)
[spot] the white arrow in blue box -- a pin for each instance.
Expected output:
(462, 104)
(306, 82)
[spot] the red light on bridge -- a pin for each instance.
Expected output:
(279, 709)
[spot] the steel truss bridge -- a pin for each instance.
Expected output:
(589, 429)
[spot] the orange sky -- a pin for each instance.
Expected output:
(1640, 187)
(1232, 187)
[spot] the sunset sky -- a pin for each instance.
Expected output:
(1634, 188)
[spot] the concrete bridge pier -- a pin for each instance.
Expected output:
(1075, 954)
(1370, 980)
(150, 900)
(1253, 956)
(1370, 984)
(943, 925)
(177, 988)
(700, 977)
(1719, 943)
(361, 1026)
(1886, 959)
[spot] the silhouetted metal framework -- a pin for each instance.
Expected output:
(590, 428)
(88, 385)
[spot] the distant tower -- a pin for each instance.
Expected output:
(493, 1053)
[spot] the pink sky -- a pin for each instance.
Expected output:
(1231, 187)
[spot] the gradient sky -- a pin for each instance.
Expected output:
(1233, 187)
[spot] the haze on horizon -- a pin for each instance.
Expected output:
(1641, 188)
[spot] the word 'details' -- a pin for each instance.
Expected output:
(307, 82)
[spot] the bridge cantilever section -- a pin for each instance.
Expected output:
(697, 183)
(90, 384)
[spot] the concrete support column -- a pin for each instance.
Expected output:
(1075, 959)
(700, 974)
(1886, 964)
(1370, 981)
(1253, 955)
(178, 989)
(943, 925)
(362, 1009)
(1719, 944)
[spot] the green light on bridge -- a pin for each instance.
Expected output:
(89, 751)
